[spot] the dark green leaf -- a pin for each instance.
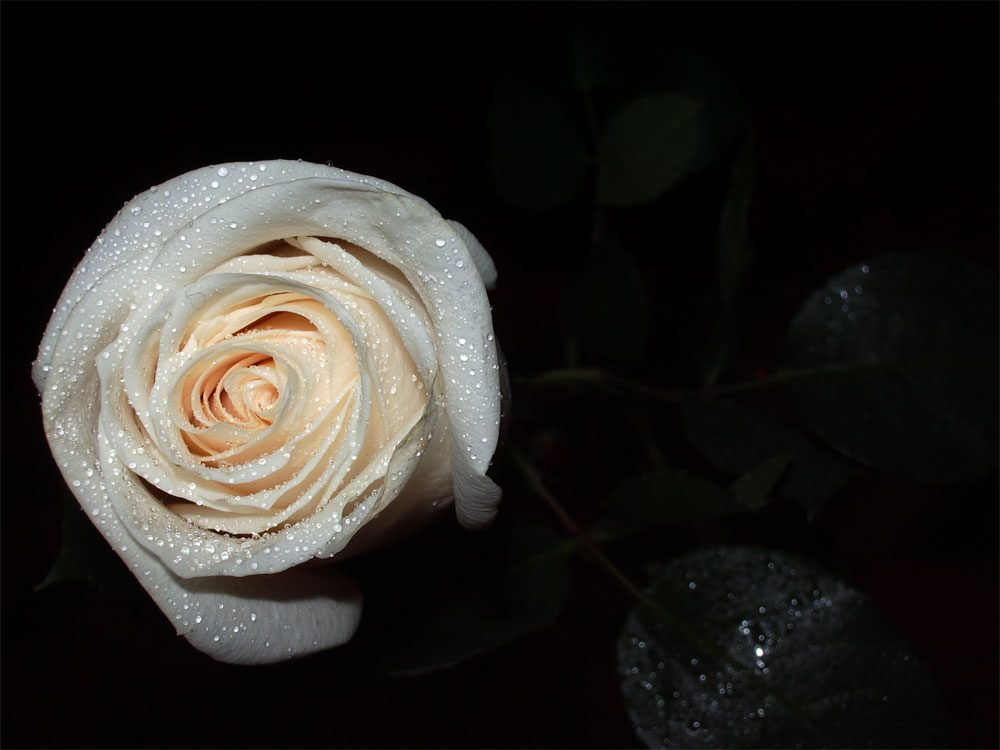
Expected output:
(737, 439)
(651, 144)
(661, 498)
(83, 555)
(735, 252)
(526, 594)
(754, 488)
(539, 152)
(624, 57)
(725, 118)
(606, 306)
(754, 648)
(903, 355)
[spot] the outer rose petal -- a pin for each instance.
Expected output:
(250, 620)
(482, 259)
(172, 235)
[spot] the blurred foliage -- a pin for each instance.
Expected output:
(889, 370)
(650, 145)
(891, 367)
(900, 357)
(660, 498)
(746, 647)
(737, 439)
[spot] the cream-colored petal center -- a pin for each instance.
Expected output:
(284, 392)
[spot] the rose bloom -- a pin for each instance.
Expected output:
(257, 365)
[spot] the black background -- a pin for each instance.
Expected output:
(876, 128)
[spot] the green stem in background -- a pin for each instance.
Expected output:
(785, 376)
(680, 626)
(597, 234)
(599, 377)
(648, 442)
(597, 231)
(572, 351)
(538, 487)
(720, 352)
(592, 129)
(604, 377)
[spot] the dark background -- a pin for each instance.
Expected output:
(876, 128)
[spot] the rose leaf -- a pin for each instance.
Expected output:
(662, 498)
(539, 153)
(651, 144)
(746, 647)
(900, 362)
(620, 56)
(739, 440)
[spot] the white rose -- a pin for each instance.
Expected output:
(260, 364)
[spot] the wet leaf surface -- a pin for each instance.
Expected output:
(778, 653)
(904, 354)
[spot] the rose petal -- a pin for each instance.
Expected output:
(251, 620)
(405, 232)
(482, 259)
(202, 223)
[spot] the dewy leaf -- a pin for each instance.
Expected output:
(738, 440)
(606, 305)
(735, 252)
(431, 631)
(539, 151)
(650, 145)
(775, 653)
(904, 353)
(660, 498)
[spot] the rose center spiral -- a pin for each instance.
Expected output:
(242, 390)
(238, 384)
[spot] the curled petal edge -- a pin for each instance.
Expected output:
(246, 628)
